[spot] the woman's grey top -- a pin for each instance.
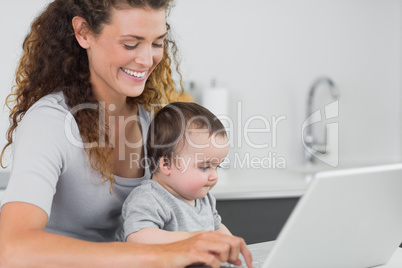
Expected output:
(51, 170)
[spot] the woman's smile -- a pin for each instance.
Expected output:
(138, 75)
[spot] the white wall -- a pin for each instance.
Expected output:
(268, 53)
(15, 19)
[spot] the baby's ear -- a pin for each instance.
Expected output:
(164, 166)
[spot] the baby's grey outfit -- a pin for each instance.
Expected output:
(150, 205)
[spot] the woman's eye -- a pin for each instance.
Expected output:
(128, 47)
(158, 45)
(204, 168)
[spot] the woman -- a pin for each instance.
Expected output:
(89, 71)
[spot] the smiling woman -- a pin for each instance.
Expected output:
(90, 70)
(123, 57)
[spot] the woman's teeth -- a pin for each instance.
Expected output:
(136, 74)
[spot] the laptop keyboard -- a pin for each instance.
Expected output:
(259, 251)
(259, 257)
(256, 264)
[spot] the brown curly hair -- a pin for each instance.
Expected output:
(51, 48)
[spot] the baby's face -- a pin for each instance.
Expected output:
(194, 172)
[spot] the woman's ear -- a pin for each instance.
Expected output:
(81, 31)
(164, 166)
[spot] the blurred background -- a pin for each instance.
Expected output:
(264, 57)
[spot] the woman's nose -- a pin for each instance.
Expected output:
(144, 57)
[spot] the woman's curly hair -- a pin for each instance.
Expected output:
(53, 61)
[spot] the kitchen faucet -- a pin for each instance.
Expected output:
(309, 140)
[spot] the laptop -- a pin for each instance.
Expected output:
(346, 218)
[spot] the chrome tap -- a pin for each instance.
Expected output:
(309, 140)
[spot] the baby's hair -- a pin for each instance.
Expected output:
(167, 131)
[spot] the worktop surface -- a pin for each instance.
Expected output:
(252, 184)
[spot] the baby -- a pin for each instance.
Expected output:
(186, 144)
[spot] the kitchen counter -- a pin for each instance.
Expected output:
(271, 183)
(259, 183)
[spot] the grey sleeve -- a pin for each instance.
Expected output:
(39, 157)
(217, 217)
(142, 210)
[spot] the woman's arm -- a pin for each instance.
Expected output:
(158, 236)
(24, 243)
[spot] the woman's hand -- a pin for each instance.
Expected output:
(24, 243)
(210, 248)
